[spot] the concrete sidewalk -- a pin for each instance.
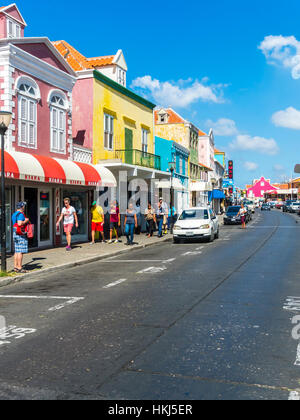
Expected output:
(44, 261)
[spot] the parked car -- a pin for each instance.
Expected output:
(286, 205)
(196, 223)
(279, 205)
(294, 207)
(231, 216)
(250, 205)
(248, 214)
(265, 207)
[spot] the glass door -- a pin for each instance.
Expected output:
(45, 218)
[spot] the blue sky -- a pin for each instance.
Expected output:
(203, 59)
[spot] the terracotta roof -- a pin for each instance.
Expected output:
(218, 151)
(78, 61)
(201, 133)
(174, 118)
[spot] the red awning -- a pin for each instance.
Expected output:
(56, 171)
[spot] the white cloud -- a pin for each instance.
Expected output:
(223, 127)
(250, 166)
(178, 95)
(255, 144)
(283, 50)
(289, 118)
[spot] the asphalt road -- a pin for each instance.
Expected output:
(191, 321)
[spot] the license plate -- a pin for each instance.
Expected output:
(189, 233)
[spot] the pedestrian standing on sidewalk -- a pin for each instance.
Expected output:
(130, 223)
(242, 213)
(19, 222)
(114, 221)
(97, 221)
(150, 220)
(69, 215)
(165, 221)
(160, 217)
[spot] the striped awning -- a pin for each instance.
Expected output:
(25, 166)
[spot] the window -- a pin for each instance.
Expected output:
(262, 184)
(145, 140)
(13, 29)
(58, 135)
(121, 77)
(180, 165)
(27, 112)
(108, 132)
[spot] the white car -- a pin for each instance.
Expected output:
(295, 207)
(196, 223)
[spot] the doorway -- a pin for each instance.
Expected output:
(39, 212)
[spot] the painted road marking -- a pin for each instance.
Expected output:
(294, 396)
(13, 332)
(292, 304)
(192, 253)
(115, 283)
(152, 270)
(297, 362)
(68, 300)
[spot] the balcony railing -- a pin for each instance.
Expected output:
(139, 158)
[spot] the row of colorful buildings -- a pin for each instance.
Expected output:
(78, 131)
(263, 189)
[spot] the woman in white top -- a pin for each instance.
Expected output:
(242, 213)
(69, 215)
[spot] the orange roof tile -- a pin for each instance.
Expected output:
(218, 151)
(78, 61)
(174, 118)
(204, 166)
(201, 133)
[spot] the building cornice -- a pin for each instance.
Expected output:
(121, 89)
(33, 66)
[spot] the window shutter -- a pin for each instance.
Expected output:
(23, 109)
(31, 134)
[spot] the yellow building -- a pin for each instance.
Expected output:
(112, 125)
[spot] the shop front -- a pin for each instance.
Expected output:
(43, 182)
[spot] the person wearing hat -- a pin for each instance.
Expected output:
(20, 239)
(97, 221)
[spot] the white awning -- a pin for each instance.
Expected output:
(165, 184)
(200, 186)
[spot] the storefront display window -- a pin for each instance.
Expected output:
(8, 214)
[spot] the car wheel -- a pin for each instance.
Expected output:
(211, 238)
(217, 235)
(176, 241)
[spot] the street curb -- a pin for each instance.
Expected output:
(17, 279)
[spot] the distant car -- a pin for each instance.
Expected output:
(279, 205)
(231, 217)
(294, 207)
(265, 207)
(196, 223)
(286, 205)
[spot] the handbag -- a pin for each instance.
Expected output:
(23, 230)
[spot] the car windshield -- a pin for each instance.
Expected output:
(194, 214)
(233, 209)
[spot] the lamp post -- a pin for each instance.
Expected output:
(5, 118)
(172, 169)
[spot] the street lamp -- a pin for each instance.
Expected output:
(172, 169)
(5, 118)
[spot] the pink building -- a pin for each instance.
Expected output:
(36, 86)
(259, 188)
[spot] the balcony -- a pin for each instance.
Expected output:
(138, 158)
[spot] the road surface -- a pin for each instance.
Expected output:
(191, 321)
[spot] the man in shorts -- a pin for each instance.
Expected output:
(97, 221)
(69, 215)
(20, 241)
